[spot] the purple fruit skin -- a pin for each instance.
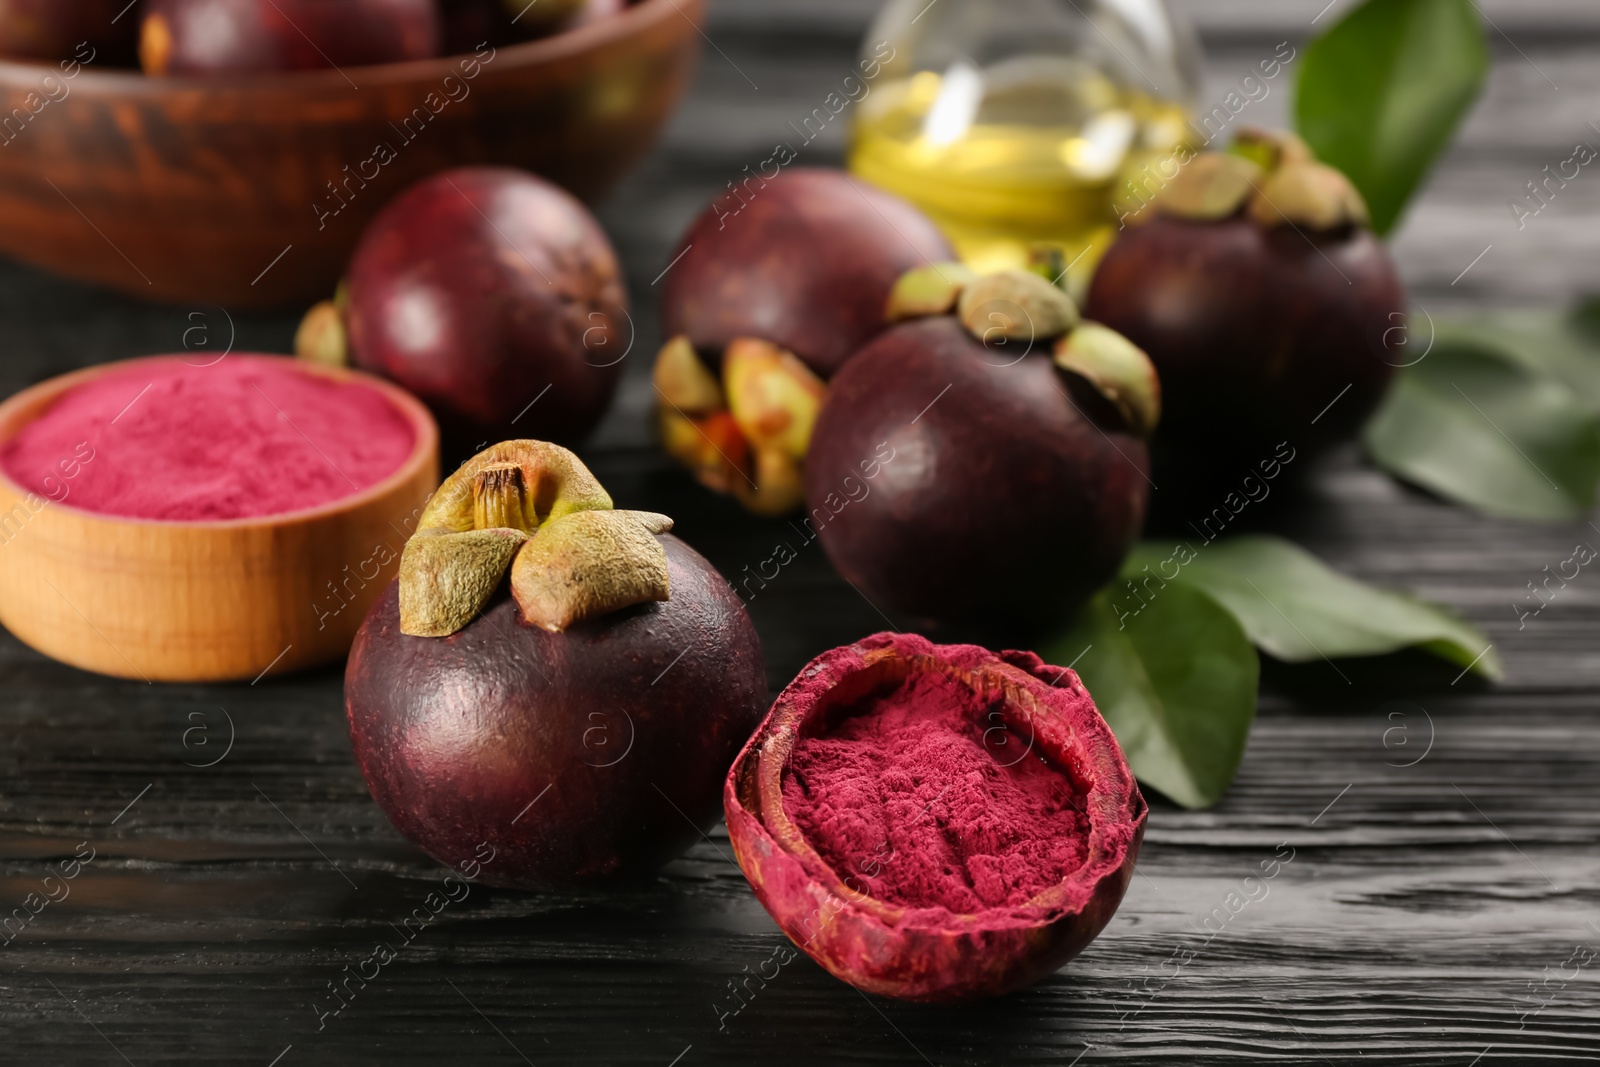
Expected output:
(807, 263)
(1002, 505)
(457, 735)
(466, 25)
(1255, 332)
(53, 29)
(480, 287)
(469, 24)
(230, 36)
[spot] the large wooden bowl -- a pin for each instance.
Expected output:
(202, 601)
(217, 191)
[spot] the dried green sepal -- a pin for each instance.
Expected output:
(1213, 185)
(773, 397)
(1311, 195)
(1117, 369)
(1270, 149)
(779, 486)
(320, 336)
(683, 379)
(1015, 305)
(930, 290)
(589, 564)
(490, 514)
(554, 482)
(446, 578)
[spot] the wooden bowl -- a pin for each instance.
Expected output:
(251, 191)
(202, 601)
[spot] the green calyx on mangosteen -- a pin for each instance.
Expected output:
(578, 718)
(535, 509)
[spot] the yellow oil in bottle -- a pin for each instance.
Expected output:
(1022, 159)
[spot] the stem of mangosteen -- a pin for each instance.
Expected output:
(498, 498)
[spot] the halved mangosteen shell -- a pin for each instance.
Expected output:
(928, 954)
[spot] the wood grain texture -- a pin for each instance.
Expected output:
(203, 601)
(1407, 928)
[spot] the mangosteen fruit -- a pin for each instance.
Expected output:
(771, 288)
(804, 261)
(89, 31)
(467, 25)
(236, 36)
(984, 463)
(543, 17)
(1273, 314)
(495, 297)
(560, 680)
(935, 822)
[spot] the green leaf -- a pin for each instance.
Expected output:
(1477, 426)
(1381, 93)
(1177, 683)
(1296, 608)
(1584, 320)
(1565, 344)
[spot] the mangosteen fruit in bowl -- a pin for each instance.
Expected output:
(559, 679)
(251, 189)
(238, 36)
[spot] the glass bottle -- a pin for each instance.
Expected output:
(1013, 122)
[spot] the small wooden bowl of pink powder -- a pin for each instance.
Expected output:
(173, 519)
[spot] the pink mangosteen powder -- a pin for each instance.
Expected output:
(247, 436)
(922, 800)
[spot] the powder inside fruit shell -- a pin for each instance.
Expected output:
(924, 798)
(245, 436)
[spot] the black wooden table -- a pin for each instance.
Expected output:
(1437, 897)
